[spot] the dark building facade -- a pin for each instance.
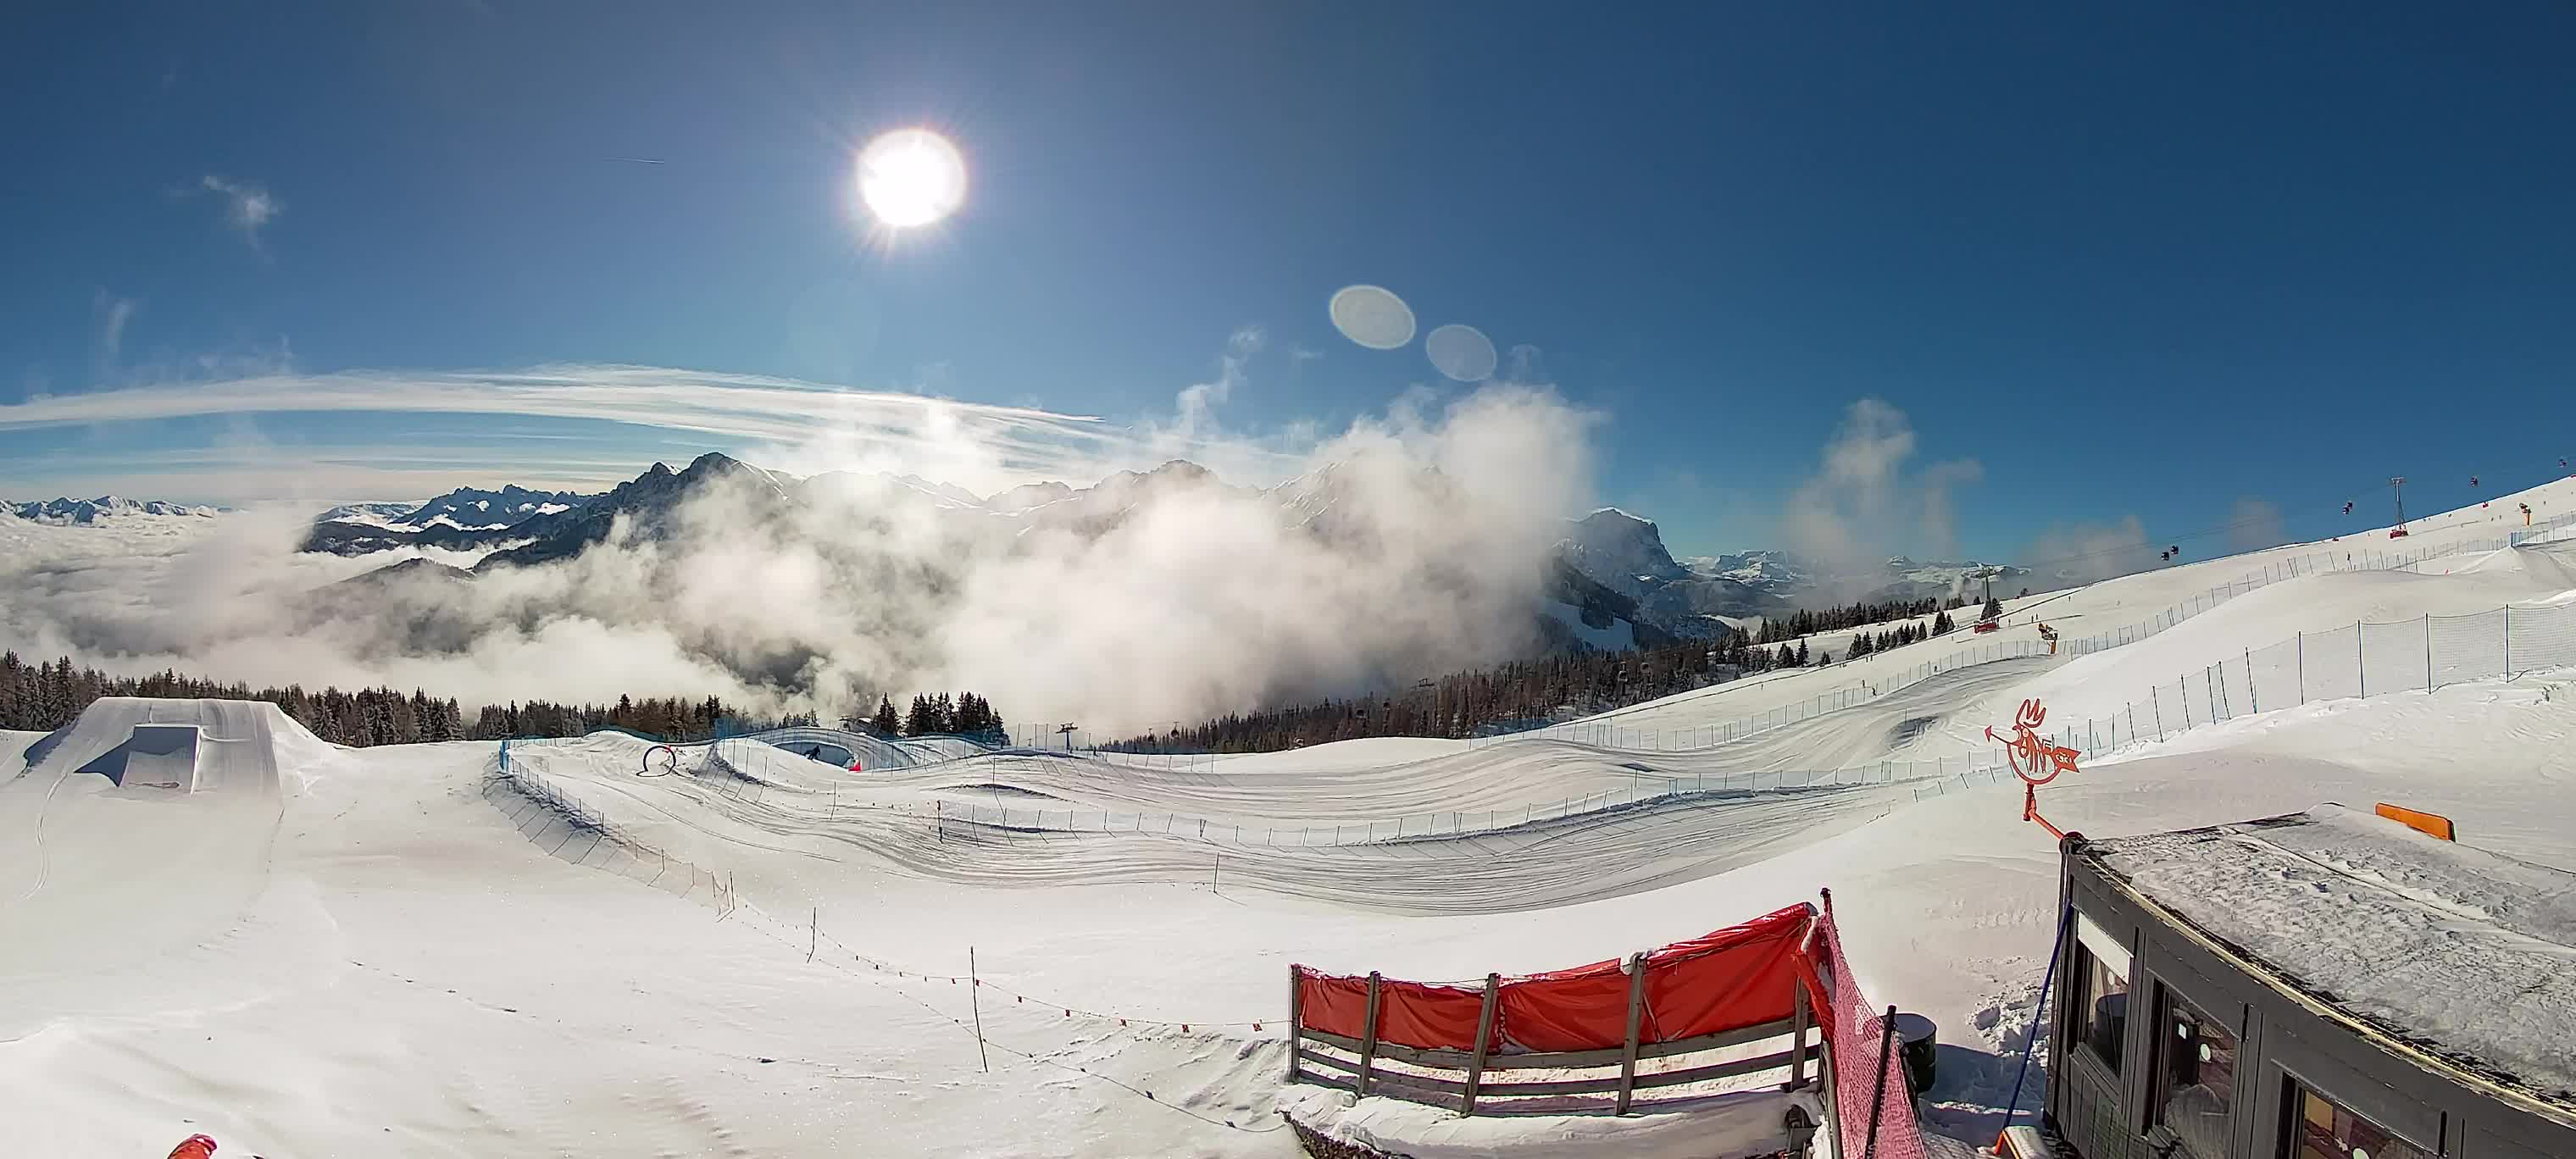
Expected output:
(2311, 987)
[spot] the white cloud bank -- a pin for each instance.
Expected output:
(1418, 551)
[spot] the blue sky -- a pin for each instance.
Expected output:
(2133, 263)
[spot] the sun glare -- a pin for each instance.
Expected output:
(911, 177)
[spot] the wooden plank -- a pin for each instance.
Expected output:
(1296, 1029)
(1554, 1060)
(1484, 1039)
(1344, 1065)
(1664, 1079)
(1719, 1070)
(1636, 1012)
(1368, 1044)
(1446, 1092)
(1602, 1085)
(1797, 1041)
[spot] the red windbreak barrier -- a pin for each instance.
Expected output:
(1578, 1009)
(1408, 1013)
(1737, 977)
(1412, 1014)
(1740, 976)
(1333, 1005)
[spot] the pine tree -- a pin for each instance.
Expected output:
(884, 721)
(1994, 609)
(1802, 653)
(920, 721)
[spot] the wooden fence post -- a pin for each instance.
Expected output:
(1296, 1021)
(1368, 1039)
(1636, 1012)
(1798, 1039)
(1484, 1040)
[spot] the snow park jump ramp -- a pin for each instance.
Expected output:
(142, 826)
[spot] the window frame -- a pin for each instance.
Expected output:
(2294, 1085)
(2094, 945)
(2158, 1078)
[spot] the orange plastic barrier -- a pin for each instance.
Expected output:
(2428, 824)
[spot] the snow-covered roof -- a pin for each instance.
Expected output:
(2462, 953)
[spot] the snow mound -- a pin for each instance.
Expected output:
(2543, 566)
(242, 745)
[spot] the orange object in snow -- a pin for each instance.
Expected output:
(194, 1147)
(2432, 825)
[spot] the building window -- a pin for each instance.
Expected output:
(2101, 1007)
(2195, 1077)
(2321, 1128)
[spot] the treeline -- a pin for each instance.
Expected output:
(1808, 623)
(965, 715)
(1866, 643)
(670, 718)
(1461, 704)
(1529, 693)
(47, 695)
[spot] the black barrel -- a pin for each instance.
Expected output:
(1916, 1038)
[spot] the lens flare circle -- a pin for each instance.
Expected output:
(911, 177)
(1372, 316)
(1461, 352)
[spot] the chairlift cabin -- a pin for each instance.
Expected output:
(2331, 984)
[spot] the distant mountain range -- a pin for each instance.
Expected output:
(1702, 596)
(460, 520)
(65, 512)
(1608, 584)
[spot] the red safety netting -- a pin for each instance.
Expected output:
(1740, 976)
(1855, 1039)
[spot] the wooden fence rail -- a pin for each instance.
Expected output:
(1360, 1065)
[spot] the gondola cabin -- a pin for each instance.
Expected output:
(2331, 984)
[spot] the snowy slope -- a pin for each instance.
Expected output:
(391, 953)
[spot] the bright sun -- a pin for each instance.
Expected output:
(911, 177)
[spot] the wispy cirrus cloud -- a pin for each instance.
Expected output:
(790, 424)
(248, 205)
(112, 313)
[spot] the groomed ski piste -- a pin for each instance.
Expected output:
(587, 948)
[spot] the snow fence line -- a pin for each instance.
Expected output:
(557, 822)
(1606, 732)
(2360, 660)
(969, 820)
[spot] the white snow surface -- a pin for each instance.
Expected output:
(2418, 935)
(383, 951)
(1620, 636)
